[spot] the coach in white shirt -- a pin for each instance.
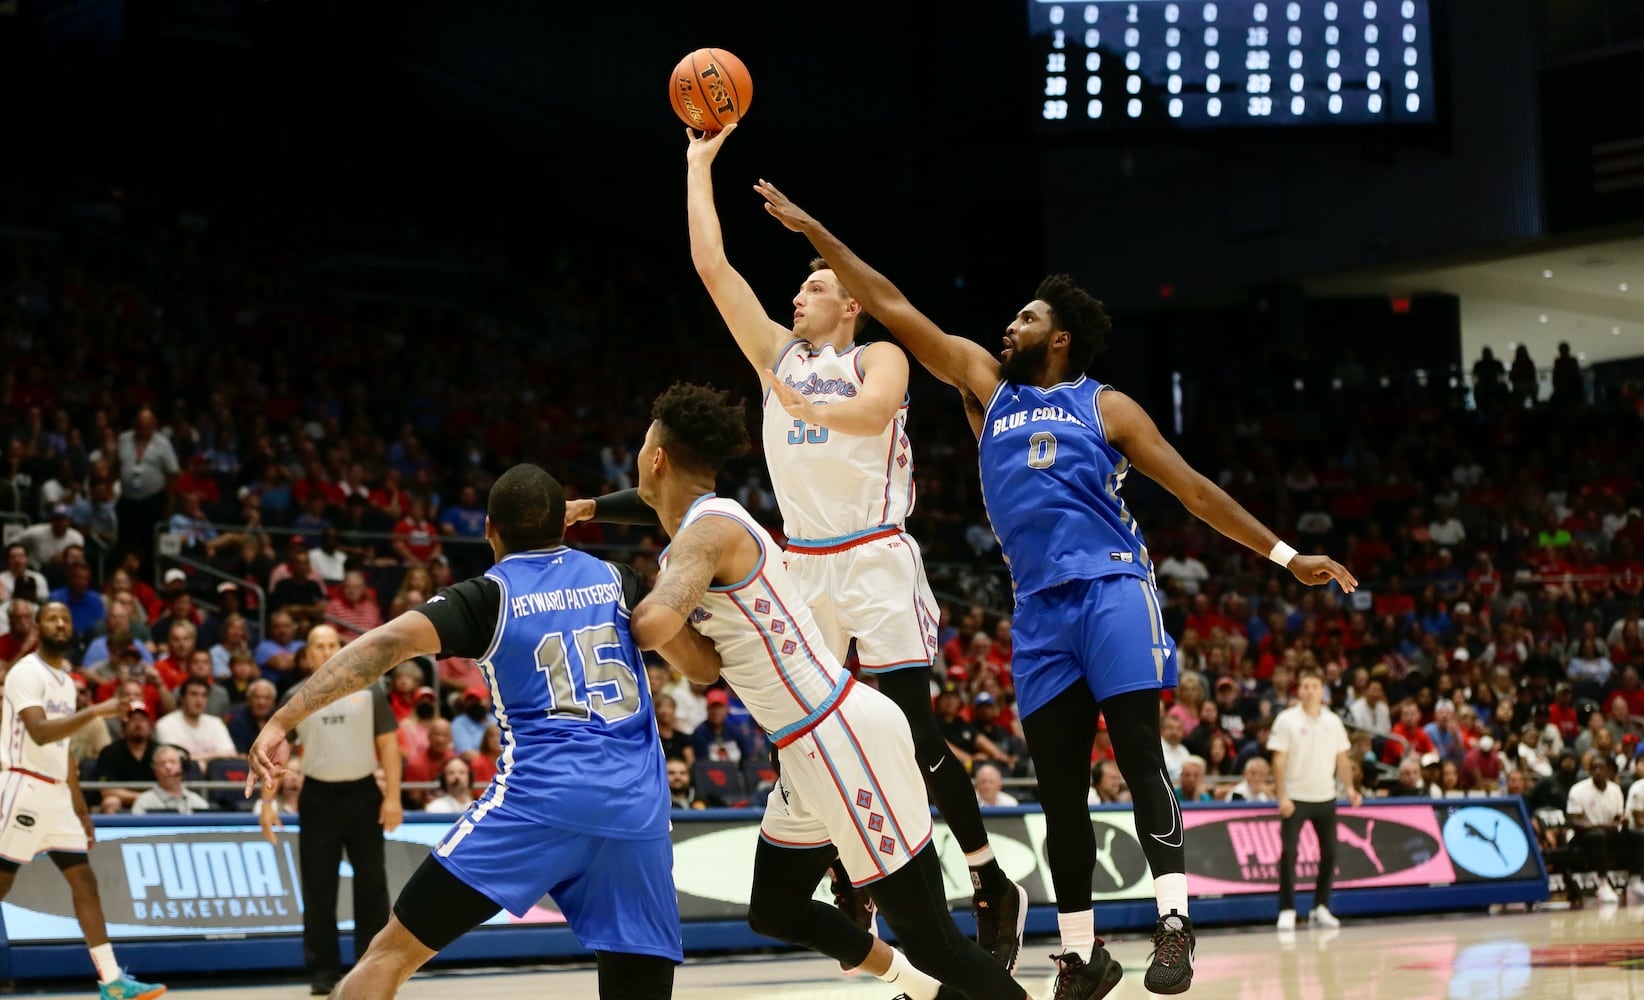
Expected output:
(1597, 812)
(1310, 752)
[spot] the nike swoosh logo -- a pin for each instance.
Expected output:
(933, 767)
(1175, 817)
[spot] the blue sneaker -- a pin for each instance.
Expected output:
(127, 988)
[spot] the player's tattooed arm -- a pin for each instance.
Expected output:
(693, 560)
(360, 664)
(692, 654)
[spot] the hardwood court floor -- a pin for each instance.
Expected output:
(1594, 954)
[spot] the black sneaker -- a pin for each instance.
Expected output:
(322, 985)
(854, 903)
(1171, 968)
(1077, 979)
(1000, 919)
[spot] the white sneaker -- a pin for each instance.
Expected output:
(1287, 920)
(1322, 916)
(1635, 891)
(1605, 894)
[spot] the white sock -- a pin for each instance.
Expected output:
(908, 979)
(977, 859)
(108, 970)
(1078, 932)
(1171, 891)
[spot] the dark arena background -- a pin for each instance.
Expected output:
(1375, 267)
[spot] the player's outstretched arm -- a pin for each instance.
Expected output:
(1133, 432)
(43, 730)
(756, 333)
(693, 559)
(621, 507)
(884, 389)
(356, 666)
(961, 363)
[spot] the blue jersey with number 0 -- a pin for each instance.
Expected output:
(579, 741)
(1051, 484)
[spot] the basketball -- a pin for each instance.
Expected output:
(710, 89)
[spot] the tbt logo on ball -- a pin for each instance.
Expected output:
(710, 89)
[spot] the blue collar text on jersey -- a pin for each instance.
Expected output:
(1054, 414)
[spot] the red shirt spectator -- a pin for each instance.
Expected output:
(427, 765)
(415, 538)
(1409, 729)
(353, 607)
(1565, 717)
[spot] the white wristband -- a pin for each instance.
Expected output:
(1282, 553)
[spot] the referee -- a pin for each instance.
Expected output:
(341, 809)
(1310, 752)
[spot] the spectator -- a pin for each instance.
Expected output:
(148, 474)
(1186, 569)
(456, 788)
(1568, 390)
(199, 666)
(717, 740)
(170, 796)
(414, 728)
(405, 682)
(45, 543)
(1175, 754)
(457, 674)
(1445, 733)
(129, 759)
(1255, 783)
(85, 605)
(679, 786)
(674, 743)
(242, 673)
(203, 736)
(353, 609)
(173, 667)
(236, 638)
(245, 721)
(1590, 663)
(473, 716)
(996, 741)
(22, 638)
(429, 764)
(190, 524)
(328, 560)
(1190, 787)
(1107, 785)
(1597, 812)
(416, 541)
(1482, 768)
(299, 594)
(484, 763)
(1371, 711)
(990, 786)
(88, 741)
(17, 570)
(277, 655)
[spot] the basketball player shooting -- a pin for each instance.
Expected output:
(1088, 634)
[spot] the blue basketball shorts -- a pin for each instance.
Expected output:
(616, 895)
(1108, 632)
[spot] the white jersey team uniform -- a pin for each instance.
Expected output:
(844, 499)
(36, 810)
(848, 775)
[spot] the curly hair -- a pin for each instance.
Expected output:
(1078, 312)
(701, 428)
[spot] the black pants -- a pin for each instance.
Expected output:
(136, 530)
(1603, 848)
(340, 816)
(945, 778)
(1323, 817)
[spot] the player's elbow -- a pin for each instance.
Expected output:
(652, 626)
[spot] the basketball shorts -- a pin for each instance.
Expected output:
(1107, 632)
(852, 781)
(37, 816)
(871, 587)
(616, 895)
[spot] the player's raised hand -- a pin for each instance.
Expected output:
(705, 145)
(783, 210)
(787, 395)
(578, 510)
(1317, 570)
(267, 759)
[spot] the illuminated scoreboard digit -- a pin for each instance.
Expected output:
(1215, 63)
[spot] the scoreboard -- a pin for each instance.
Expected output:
(1101, 64)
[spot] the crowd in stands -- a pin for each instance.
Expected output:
(201, 509)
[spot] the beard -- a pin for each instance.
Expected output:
(54, 647)
(1025, 363)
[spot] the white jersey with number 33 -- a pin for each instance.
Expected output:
(827, 484)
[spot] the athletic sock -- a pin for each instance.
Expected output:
(908, 979)
(1078, 932)
(985, 873)
(1171, 891)
(108, 970)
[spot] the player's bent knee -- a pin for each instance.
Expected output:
(397, 949)
(773, 920)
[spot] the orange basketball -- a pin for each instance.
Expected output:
(710, 89)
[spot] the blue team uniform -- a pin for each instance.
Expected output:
(579, 806)
(1086, 604)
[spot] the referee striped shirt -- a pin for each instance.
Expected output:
(340, 740)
